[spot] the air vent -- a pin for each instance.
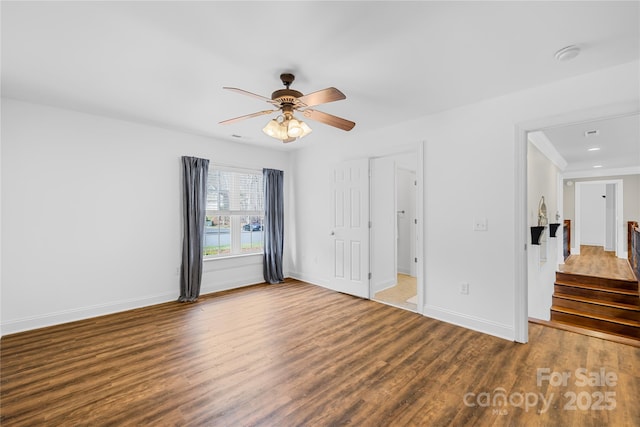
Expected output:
(590, 133)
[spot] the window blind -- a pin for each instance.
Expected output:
(235, 192)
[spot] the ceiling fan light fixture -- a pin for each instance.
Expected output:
(286, 128)
(294, 130)
(275, 129)
(306, 130)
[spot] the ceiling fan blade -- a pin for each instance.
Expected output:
(251, 94)
(323, 96)
(248, 116)
(329, 119)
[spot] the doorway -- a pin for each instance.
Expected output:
(522, 219)
(393, 230)
(598, 209)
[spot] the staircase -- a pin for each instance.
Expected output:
(600, 304)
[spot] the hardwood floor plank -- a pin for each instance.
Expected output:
(595, 261)
(296, 354)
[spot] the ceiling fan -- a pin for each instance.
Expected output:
(286, 127)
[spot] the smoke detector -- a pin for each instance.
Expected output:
(567, 53)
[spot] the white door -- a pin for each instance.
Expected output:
(350, 228)
(592, 215)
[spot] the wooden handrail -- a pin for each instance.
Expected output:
(633, 247)
(566, 229)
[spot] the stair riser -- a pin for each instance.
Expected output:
(600, 295)
(600, 325)
(600, 282)
(589, 308)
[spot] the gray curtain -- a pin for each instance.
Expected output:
(194, 202)
(273, 225)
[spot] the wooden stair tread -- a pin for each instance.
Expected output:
(610, 336)
(589, 278)
(598, 288)
(619, 305)
(602, 317)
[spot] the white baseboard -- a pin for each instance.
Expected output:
(470, 322)
(309, 279)
(227, 286)
(66, 316)
(82, 313)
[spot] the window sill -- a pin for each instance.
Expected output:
(232, 256)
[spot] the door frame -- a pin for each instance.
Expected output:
(419, 150)
(521, 242)
(618, 183)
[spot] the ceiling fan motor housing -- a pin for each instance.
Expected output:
(286, 96)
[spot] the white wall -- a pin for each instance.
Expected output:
(542, 180)
(91, 214)
(470, 163)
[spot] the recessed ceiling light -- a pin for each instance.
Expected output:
(594, 149)
(597, 166)
(567, 53)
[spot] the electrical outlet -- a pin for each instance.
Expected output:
(480, 224)
(464, 288)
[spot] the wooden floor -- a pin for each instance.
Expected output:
(400, 294)
(594, 261)
(295, 354)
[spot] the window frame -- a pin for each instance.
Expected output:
(235, 215)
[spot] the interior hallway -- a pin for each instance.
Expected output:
(404, 294)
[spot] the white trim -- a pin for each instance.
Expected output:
(596, 173)
(521, 226)
(521, 295)
(219, 257)
(65, 316)
(560, 230)
(84, 313)
(542, 143)
(420, 284)
(311, 279)
(229, 285)
(499, 330)
(420, 241)
(232, 168)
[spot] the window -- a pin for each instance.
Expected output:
(234, 222)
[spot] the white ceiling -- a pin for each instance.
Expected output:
(164, 63)
(618, 140)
